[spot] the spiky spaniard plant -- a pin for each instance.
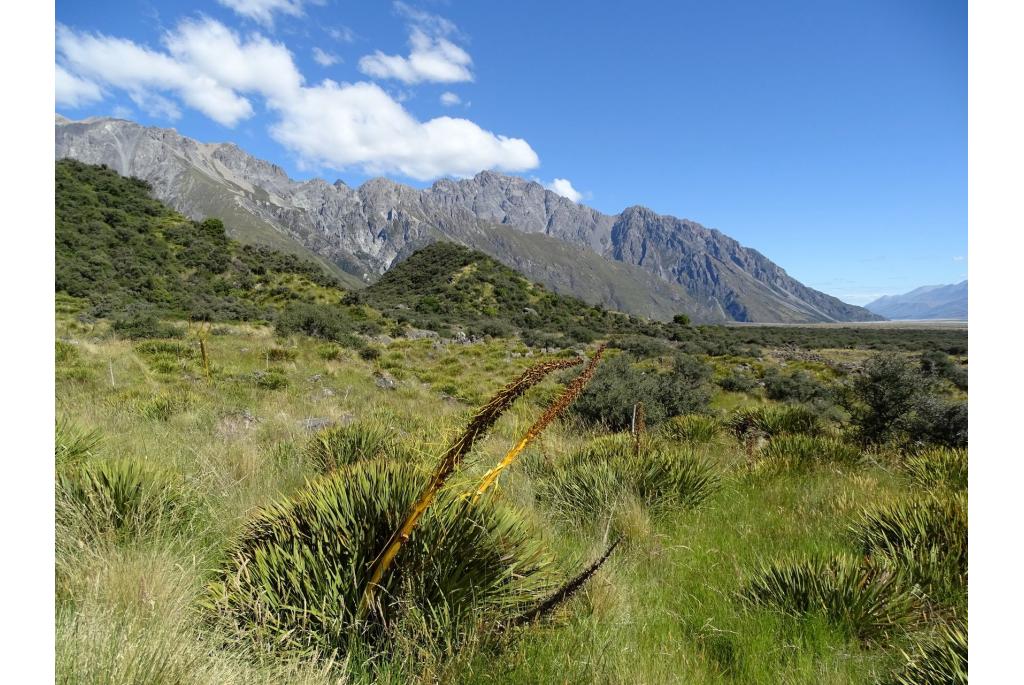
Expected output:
(797, 452)
(869, 601)
(927, 535)
(295, 580)
(776, 420)
(942, 661)
(692, 428)
(343, 445)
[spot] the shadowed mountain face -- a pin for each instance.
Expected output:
(637, 261)
(926, 302)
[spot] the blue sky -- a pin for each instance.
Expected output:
(831, 136)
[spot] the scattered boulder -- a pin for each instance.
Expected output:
(384, 380)
(420, 334)
(316, 424)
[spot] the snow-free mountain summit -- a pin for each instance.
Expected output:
(637, 261)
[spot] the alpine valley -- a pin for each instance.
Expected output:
(637, 261)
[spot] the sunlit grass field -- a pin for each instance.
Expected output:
(670, 605)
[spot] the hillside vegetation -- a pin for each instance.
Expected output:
(325, 494)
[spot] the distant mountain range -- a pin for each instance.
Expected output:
(636, 261)
(926, 302)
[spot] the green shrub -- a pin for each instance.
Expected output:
(942, 661)
(141, 326)
(798, 452)
(938, 421)
(869, 602)
(926, 535)
(369, 354)
(296, 577)
(938, 364)
(940, 467)
(777, 420)
(886, 393)
(317, 321)
(694, 428)
(345, 445)
(124, 498)
(619, 385)
(737, 381)
(797, 386)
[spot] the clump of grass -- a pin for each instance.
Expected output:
(282, 354)
(163, 406)
(330, 352)
(65, 352)
(868, 601)
(597, 479)
(926, 535)
(799, 452)
(692, 428)
(942, 661)
(783, 419)
(941, 467)
(369, 354)
(122, 498)
(272, 379)
(73, 445)
(344, 445)
(295, 580)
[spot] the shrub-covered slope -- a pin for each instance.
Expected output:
(122, 250)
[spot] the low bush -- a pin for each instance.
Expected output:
(619, 385)
(142, 326)
(797, 386)
(369, 354)
(296, 577)
(281, 354)
(869, 602)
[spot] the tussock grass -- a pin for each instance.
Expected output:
(941, 467)
(345, 445)
(73, 445)
(693, 428)
(798, 452)
(773, 420)
(122, 498)
(870, 602)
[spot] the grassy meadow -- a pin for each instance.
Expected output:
(756, 544)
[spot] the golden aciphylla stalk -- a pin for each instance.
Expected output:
(478, 426)
(568, 396)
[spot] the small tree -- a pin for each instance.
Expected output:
(886, 394)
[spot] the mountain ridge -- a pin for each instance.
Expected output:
(639, 261)
(926, 302)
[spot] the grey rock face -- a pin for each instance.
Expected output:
(638, 261)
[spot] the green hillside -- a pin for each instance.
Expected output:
(121, 251)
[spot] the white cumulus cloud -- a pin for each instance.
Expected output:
(563, 187)
(324, 58)
(359, 124)
(432, 58)
(450, 99)
(262, 11)
(72, 91)
(210, 68)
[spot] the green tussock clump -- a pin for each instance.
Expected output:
(281, 354)
(784, 419)
(927, 535)
(73, 445)
(941, 467)
(610, 471)
(123, 498)
(942, 661)
(868, 601)
(800, 452)
(295, 578)
(692, 428)
(345, 445)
